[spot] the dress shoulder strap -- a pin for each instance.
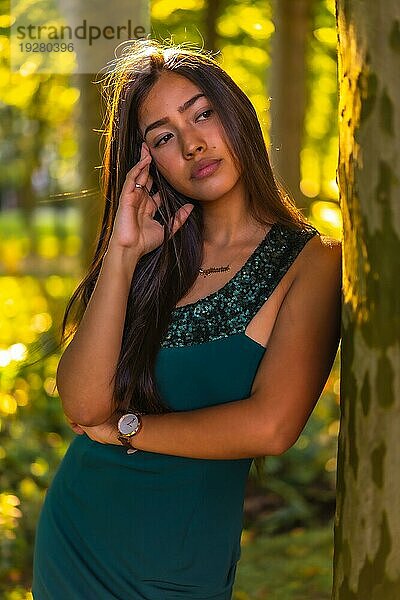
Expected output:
(228, 310)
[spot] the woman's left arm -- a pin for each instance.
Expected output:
(289, 380)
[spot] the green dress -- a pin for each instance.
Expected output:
(150, 526)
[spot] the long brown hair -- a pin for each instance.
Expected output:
(163, 276)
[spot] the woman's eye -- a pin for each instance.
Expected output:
(161, 139)
(209, 110)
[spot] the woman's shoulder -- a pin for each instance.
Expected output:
(315, 252)
(321, 252)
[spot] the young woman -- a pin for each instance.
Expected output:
(207, 327)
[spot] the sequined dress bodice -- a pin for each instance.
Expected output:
(229, 310)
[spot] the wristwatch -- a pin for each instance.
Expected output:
(128, 425)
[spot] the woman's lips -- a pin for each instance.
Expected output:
(208, 170)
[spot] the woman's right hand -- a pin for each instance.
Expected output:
(134, 225)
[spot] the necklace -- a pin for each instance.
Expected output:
(206, 272)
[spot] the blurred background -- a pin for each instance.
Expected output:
(283, 55)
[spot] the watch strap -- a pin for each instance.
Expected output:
(125, 440)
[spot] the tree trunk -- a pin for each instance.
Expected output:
(212, 12)
(367, 520)
(287, 88)
(92, 205)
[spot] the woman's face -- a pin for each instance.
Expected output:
(186, 137)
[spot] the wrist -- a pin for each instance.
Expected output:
(120, 259)
(122, 253)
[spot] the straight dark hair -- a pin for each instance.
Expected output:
(163, 276)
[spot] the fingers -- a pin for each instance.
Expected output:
(143, 153)
(144, 150)
(139, 173)
(133, 175)
(156, 196)
(144, 177)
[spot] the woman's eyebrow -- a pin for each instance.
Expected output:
(181, 109)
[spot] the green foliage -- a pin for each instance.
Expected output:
(293, 566)
(34, 434)
(53, 244)
(36, 124)
(243, 30)
(320, 142)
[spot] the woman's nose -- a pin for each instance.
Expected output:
(192, 147)
(192, 142)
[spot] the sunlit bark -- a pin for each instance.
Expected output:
(367, 521)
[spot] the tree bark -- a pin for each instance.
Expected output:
(212, 12)
(287, 88)
(367, 520)
(92, 205)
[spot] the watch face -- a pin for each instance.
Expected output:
(128, 423)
